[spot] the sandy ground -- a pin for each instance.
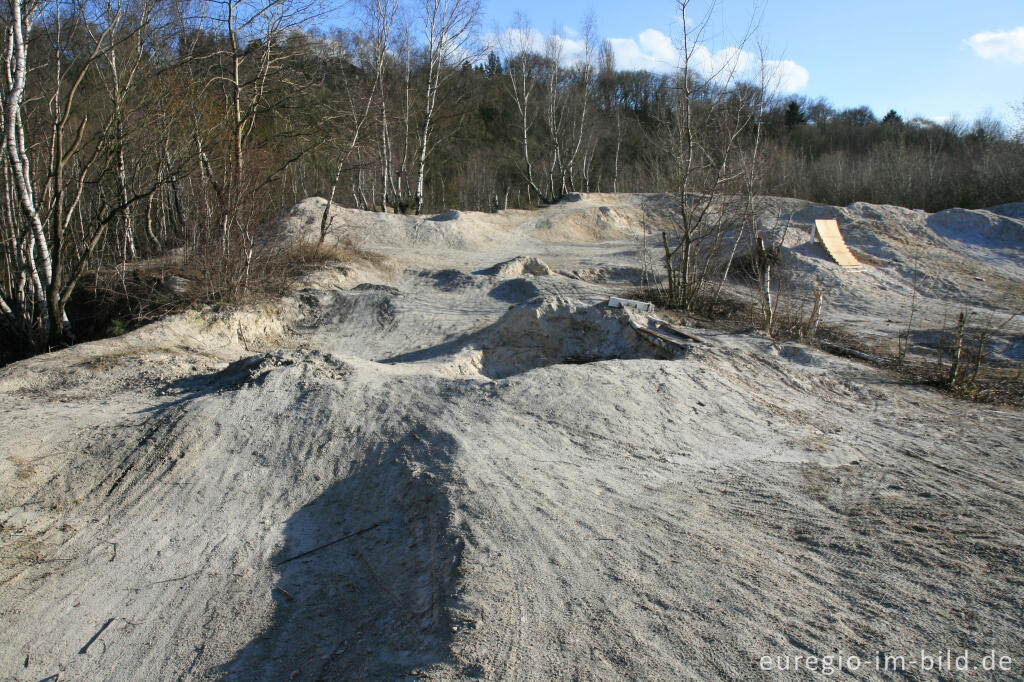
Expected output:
(462, 465)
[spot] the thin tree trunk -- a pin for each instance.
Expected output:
(13, 126)
(618, 145)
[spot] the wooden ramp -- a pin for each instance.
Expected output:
(827, 232)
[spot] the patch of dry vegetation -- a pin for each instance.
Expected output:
(128, 298)
(977, 378)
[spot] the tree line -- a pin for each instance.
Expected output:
(174, 131)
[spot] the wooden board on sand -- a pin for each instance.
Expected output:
(827, 232)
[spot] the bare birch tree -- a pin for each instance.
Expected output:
(523, 69)
(50, 233)
(581, 87)
(448, 29)
(380, 19)
(552, 99)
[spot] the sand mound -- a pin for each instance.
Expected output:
(627, 274)
(1014, 210)
(517, 267)
(979, 228)
(377, 231)
(547, 331)
(367, 303)
(587, 224)
(215, 538)
(551, 332)
(450, 214)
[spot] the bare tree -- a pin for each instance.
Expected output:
(553, 100)
(448, 27)
(582, 85)
(247, 72)
(380, 19)
(606, 78)
(53, 239)
(1018, 130)
(523, 71)
(756, 99)
(713, 123)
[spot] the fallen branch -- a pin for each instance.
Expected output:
(99, 632)
(328, 544)
(174, 580)
(850, 352)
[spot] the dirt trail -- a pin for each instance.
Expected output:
(465, 466)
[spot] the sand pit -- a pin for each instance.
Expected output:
(463, 465)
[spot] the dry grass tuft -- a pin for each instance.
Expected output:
(299, 258)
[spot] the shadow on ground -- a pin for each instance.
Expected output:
(365, 573)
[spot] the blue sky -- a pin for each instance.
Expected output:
(931, 58)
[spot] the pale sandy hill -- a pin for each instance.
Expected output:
(460, 464)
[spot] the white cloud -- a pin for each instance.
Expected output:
(659, 46)
(723, 64)
(573, 51)
(515, 40)
(788, 76)
(999, 45)
(652, 50)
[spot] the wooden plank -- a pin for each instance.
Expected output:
(662, 324)
(675, 341)
(828, 232)
(642, 306)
